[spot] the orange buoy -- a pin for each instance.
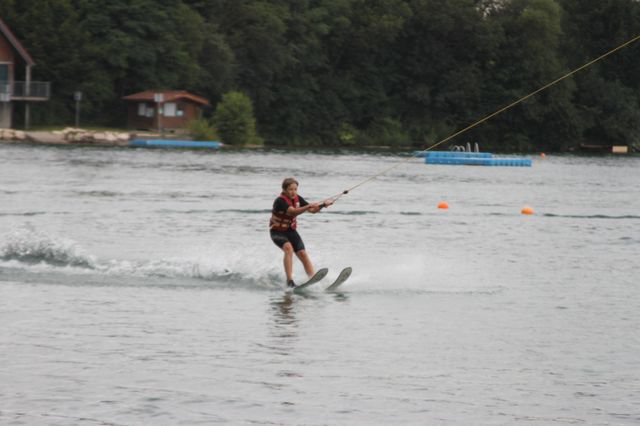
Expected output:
(443, 205)
(526, 210)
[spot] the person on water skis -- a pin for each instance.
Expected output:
(282, 226)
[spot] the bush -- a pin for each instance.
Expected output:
(347, 134)
(235, 121)
(385, 132)
(202, 130)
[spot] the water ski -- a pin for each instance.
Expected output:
(342, 277)
(314, 279)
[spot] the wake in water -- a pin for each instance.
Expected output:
(27, 251)
(30, 247)
(27, 255)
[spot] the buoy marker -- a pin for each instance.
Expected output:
(443, 205)
(526, 210)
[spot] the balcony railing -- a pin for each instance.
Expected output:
(21, 91)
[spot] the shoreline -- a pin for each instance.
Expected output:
(67, 136)
(81, 137)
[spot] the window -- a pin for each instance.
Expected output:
(142, 109)
(170, 109)
(4, 73)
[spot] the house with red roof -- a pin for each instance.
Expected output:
(15, 58)
(163, 109)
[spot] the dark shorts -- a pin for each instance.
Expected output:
(281, 238)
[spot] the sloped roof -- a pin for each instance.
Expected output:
(4, 30)
(169, 96)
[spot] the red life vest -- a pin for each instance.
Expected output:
(282, 221)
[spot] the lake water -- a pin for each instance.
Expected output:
(140, 287)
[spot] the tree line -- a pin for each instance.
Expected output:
(350, 72)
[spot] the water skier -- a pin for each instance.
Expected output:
(283, 224)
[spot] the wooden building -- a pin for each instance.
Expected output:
(14, 57)
(176, 109)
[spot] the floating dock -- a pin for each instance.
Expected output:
(174, 143)
(471, 159)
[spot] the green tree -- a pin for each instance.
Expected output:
(608, 94)
(340, 68)
(235, 121)
(111, 49)
(446, 55)
(350, 72)
(528, 58)
(138, 45)
(256, 32)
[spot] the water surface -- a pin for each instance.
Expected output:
(140, 287)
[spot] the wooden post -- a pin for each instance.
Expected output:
(27, 90)
(159, 99)
(77, 96)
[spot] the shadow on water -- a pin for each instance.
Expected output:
(287, 312)
(340, 296)
(283, 331)
(284, 310)
(286, 307)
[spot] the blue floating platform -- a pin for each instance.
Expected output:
(459, 158)
(174, 143)
(466, 161)
(448, 154)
